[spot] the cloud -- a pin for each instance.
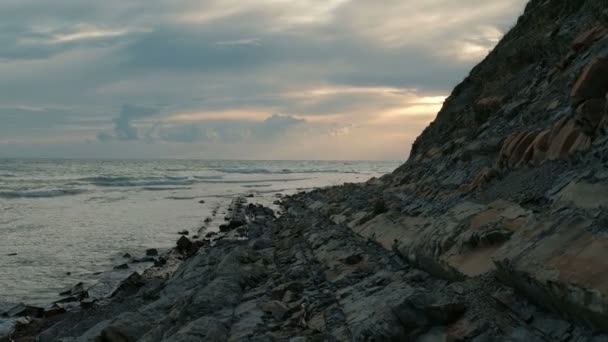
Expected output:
(271, 129)
(206, 74)
(246, 41)
(123, 123)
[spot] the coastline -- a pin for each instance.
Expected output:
(306, 275)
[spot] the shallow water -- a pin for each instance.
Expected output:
(80, 217)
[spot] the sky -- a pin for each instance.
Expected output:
(234, 79)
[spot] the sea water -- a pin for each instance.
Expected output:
(67, 221)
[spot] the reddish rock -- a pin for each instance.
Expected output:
(537, 151)
(592, 83)
(585, 39)
(567, 141)
(590, 113)
(485, 176)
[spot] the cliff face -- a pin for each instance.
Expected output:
(511, 176)
(510, 181)
(525, 82)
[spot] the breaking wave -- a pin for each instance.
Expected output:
(41, 193)
(282, 171)
(131, 181)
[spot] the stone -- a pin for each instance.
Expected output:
(151, 252)
(54, 310)
(115, 334)
(279, 292)
(353, 259)
(592, 83)
(160, 261)
(584, 195)
(22, 310)
(87, 303)
(144, 259)
(568, 141)
(133, 281)
(586, 38)
(277, 309)
(183, 232)
(184, 244)
(7, 327)
(203, 329)
(590, 114)
(484, 177)
(76, 289)
(121, 267)
(201, 201)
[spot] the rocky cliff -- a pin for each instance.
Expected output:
(511, 177)
(496, 228)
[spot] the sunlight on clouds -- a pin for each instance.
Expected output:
(338, 90)
(287, 13)
(249, 114)
(335, 79)
(425, 107)
(426, 22)
(308, 11)
(419, 109)
(477, 46)
(87, 34)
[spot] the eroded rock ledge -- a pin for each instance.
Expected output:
(315, 274)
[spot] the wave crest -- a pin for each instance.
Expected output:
(42, 193)
(132, 181)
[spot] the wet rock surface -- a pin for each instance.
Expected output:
(494, 230)
(302, 276)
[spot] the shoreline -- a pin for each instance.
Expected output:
(307, 275)
(155, 264)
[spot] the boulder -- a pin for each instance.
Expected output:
(592, 83)
(277, 309)
(152, 252)
(7, 327)
(567, 141)
(87, 303)
(562, 141)
(131, 282)
(54, 310)
(590, 114)
(184, 244)
(294, 287)
(144, 259)
(586, 38)
(21, 310)
(74, 294)
(484, 176)
(160, 261)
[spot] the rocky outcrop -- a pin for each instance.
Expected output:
(494, 230)
(304, 277)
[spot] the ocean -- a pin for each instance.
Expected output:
(69, 221)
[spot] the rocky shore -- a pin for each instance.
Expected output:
(307, 276)
(494, 230)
